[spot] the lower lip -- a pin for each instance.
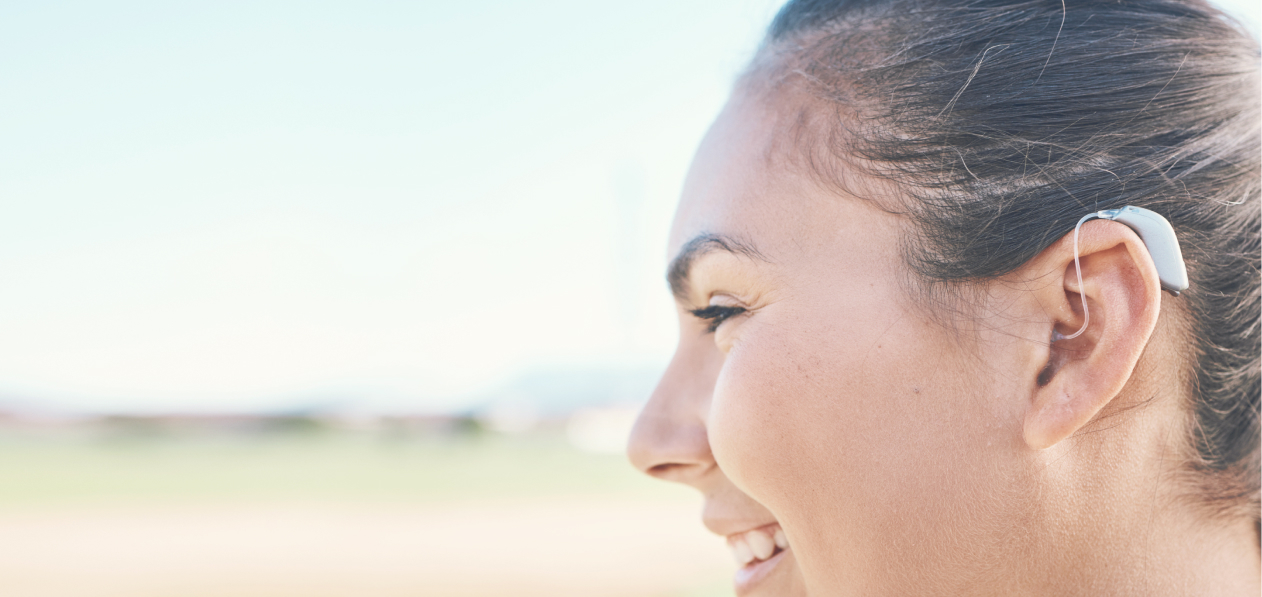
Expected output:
(749, 577)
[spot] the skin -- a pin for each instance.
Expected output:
(905, 454)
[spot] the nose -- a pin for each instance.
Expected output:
(669, 439)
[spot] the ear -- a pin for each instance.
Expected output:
(1083, 375)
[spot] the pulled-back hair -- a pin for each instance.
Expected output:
(1004, 122)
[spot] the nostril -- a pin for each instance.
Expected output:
(669, 440)
(662, 470)
(679, 472)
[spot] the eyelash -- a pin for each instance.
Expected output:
(716, 315)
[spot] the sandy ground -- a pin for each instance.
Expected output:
(555, 547)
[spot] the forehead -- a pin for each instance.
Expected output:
(748, 183)
(738, 165)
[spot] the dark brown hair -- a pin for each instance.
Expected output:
(1005, 122)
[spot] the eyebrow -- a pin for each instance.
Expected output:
(701, 245)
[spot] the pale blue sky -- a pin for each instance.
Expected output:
(224, 205)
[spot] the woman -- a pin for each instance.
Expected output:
(878, 388)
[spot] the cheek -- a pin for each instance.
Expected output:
(856, 439)
(795, 408)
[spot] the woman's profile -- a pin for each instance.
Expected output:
(879, 275)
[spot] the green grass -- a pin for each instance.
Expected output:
(122, 466)
(307, 466)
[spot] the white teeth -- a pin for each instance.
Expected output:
(761, 544)
(742, 552)
(758, 544)
(781, 541)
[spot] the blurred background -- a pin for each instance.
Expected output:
(334, 298)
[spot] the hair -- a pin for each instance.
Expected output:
(1003, 122)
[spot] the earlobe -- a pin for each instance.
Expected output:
(1056, 416)
(1085, 374)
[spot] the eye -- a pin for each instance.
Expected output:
(715, 315)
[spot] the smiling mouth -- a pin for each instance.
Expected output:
(758, 545)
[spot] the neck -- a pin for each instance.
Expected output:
(1163, 556)
(1119, 533)
(1116, 517)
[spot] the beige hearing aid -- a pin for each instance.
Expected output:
(1158, 236)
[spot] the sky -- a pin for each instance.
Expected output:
(230, 205)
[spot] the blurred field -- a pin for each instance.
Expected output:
(141, 513)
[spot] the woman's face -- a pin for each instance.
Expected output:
(810, 396)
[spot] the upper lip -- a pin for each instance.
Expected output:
(728, 527)
(728, 511)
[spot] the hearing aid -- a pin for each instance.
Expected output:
(1158, 237)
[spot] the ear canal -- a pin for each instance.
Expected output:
(1045, 376)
